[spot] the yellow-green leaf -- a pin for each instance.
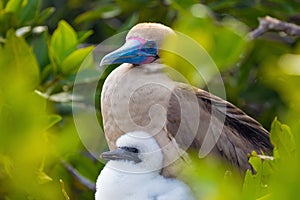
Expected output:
(63, 42)
(52, 120)
(282, 139)
(73, 61)
(13, 5)
(18, 60)
(43, 177)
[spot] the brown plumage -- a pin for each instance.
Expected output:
(140, 96)
(240, 134)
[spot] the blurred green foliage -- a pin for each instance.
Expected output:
(42, 47)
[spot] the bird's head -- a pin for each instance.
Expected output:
(142, 45)
(137, 152)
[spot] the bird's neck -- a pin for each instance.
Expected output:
(129, 100)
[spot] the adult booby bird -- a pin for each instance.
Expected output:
(133, 172)
(137, 95)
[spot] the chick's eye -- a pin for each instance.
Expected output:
(130, 149)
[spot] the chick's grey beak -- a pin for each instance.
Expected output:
(120, 154)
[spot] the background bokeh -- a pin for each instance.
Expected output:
(43, 43)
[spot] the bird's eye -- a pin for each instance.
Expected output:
(150, 44)
(150, 47)
(130, 149)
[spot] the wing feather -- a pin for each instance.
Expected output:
(239, 133)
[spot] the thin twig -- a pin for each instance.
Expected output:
(64, 190)
(84, 181)
(269, 23)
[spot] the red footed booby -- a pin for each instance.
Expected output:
(133, 172)
(138, 95)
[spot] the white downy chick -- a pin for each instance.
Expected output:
(133, 172)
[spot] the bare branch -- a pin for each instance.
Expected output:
(269, 23)
(84, 181)
(62, 183)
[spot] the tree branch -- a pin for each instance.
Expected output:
(84, 181)
(269, 23)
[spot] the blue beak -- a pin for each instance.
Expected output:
(134, 52)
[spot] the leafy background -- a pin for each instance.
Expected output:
(43, 43)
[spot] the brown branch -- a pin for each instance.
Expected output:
(269, 23)
(84, 181)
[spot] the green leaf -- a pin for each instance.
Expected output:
(183, 4)
(104, 12)
(255, 161)
(45, 14)
(83, 35)
(282, 139)
(52, 120)
(29, 12)
(14, 6)
(63, 42)
(17, 60)
(87, 16)
(130, 22)
(39, 42)
(251, 186)
(257, 185)
(43, 177)
(46, 72)
(73, 61)
(8, 20)
(254, 183)
(266, 197)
